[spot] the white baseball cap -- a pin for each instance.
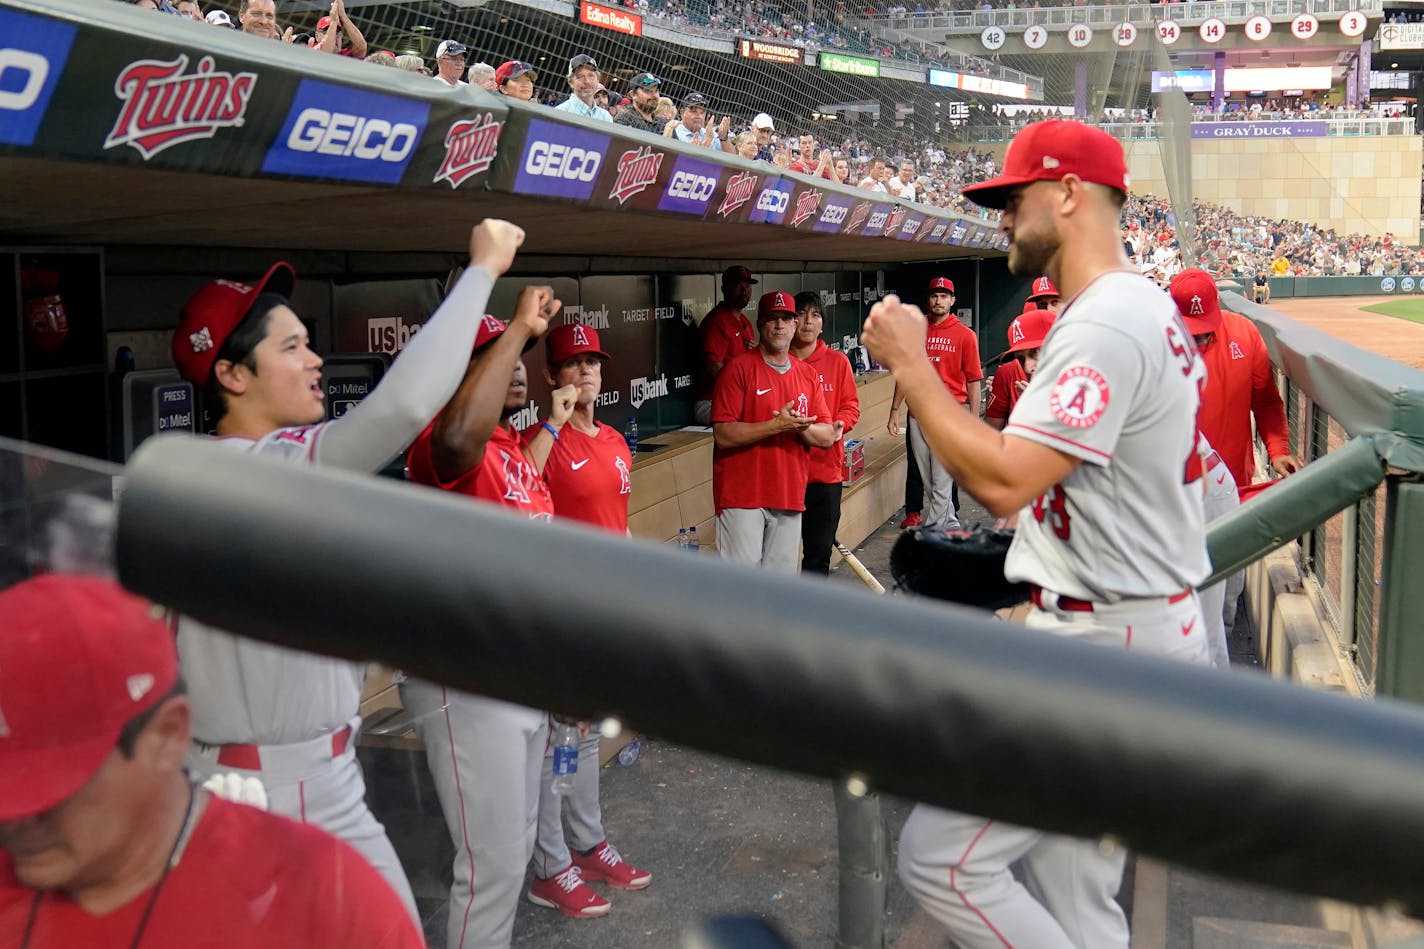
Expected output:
(763, 121)
(219, 18)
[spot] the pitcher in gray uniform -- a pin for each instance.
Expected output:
(291, 718)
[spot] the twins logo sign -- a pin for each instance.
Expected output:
(29, 73)
(637, 168)
(163, 107)
(469, 149)
(740, 189)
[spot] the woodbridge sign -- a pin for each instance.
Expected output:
(851, 65)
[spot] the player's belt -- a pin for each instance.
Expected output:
(1212, 460)
(249, 757)
(1073, 605)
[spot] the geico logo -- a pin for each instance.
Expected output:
(560, 161)
(773, 201)
(834, 214)
(692, 187)
(34, 68)
(342, 134)
(878, 219)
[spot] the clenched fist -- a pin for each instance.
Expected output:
(894, 333)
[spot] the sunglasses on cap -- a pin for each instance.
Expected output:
(646, 79)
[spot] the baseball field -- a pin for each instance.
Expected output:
(1389, 326)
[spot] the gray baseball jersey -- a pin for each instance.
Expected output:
(1117, 386)
(249, 692)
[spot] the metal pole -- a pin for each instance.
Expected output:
(1348, 580)
(1401, 648)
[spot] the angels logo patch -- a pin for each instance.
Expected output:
(1079, 397)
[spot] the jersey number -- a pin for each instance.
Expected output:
(1053, 504)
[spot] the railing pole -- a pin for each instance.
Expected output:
(1401, 641)
(1348, 580)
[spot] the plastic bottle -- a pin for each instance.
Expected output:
(693, 544)
(566, 756)
(629, 752)
(682, 538)
(631, 434)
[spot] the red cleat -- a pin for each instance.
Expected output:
(606, 865)
(566, 892)
(912, 519)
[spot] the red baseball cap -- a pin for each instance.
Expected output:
(568, 340)
(1194, 292)
(1029, 329)
(941, 283)
(323, 23)
(489, 330)
(1048, 151)
(211, 314)
(513, 70)
(777, 301)
(736, 274)
(1043, 287)
(79, 658)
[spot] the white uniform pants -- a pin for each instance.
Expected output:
(957, 865)
(760, 537)
(580, 806)
(305, 783)
(939, 511)
(1217, 600)
(485, 756)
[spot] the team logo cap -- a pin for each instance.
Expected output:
(777, 301)
(1049, 151)
(568, 340)
(210, 316)
(1194, 292)
(1043, 287)
(942, 283)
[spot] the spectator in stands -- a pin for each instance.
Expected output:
(583, 81)
(1280, 266)
(259, 17)
(746, 145)
(762, 129)
(903, 184)
(695, 129)
(482, 75)
(643, 113)
(874, 180)
(381, 58)
(450, 63)
(841, 168)
(600, 98)
(516, 79)
(335, 33)
(190, 9)
(411, 62)
(1261, 289)
(665, 111)
(220, 18)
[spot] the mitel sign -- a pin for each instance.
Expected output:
(560, 160)
(29, 71)
(610, 18)
(347, 134)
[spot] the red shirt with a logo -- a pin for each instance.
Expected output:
(726, 333)
(246, 880)
(504, 475)
(843, 402)
(1004, 393)
(590, 477)
(1239, 384)
(771, 473)
(954, 350)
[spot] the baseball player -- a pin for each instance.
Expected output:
(485, 754)
(953, 349)
(1099, 458)
(725, 333)
(766, 410)
(1045, 296)
(104, 841)
(822, 516)
(588, 468)
(291, 718)
(1026, 334)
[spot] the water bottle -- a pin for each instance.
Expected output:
(631, 434)
(629, 752)
(566, 756)
(693, 544)
(682, 538)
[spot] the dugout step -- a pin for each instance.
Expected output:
(1213, 932)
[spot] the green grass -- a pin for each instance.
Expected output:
(1411, 309)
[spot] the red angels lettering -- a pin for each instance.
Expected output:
(469, 149)
(625, 479)
(637, 168)
(514, 489)
(1052, 505)
(807, 204)
(162, 107)
(1080, 397)
(739, 191)
(803, 405)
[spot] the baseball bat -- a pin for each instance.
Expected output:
(859, 568)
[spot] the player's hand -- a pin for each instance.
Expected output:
(894, 333)
(535, 307)
(1020, 386)
(1285, 465)
(562, 406)
(893, 426)
(839, 427)
(493, 244)
(787, 420)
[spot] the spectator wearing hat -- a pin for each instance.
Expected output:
(645, 90)
(516, 79)
(695, 128)
(450, 63)
(724, 333)
(482, 75)
(104, 841)
(600, 98)
(583, 81)
(220, 18)
(767, 412)
(763, 128)
(1017, 364)
(1045, 295)
(335, 33)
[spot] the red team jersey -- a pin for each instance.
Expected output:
(1004, 393)
(771, 473)
(954, 350)
(726, 333)
(843, 401)
(590, 477)
(246, 879)
(504, 475)
(1238, 376)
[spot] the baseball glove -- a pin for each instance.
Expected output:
(959, 566)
